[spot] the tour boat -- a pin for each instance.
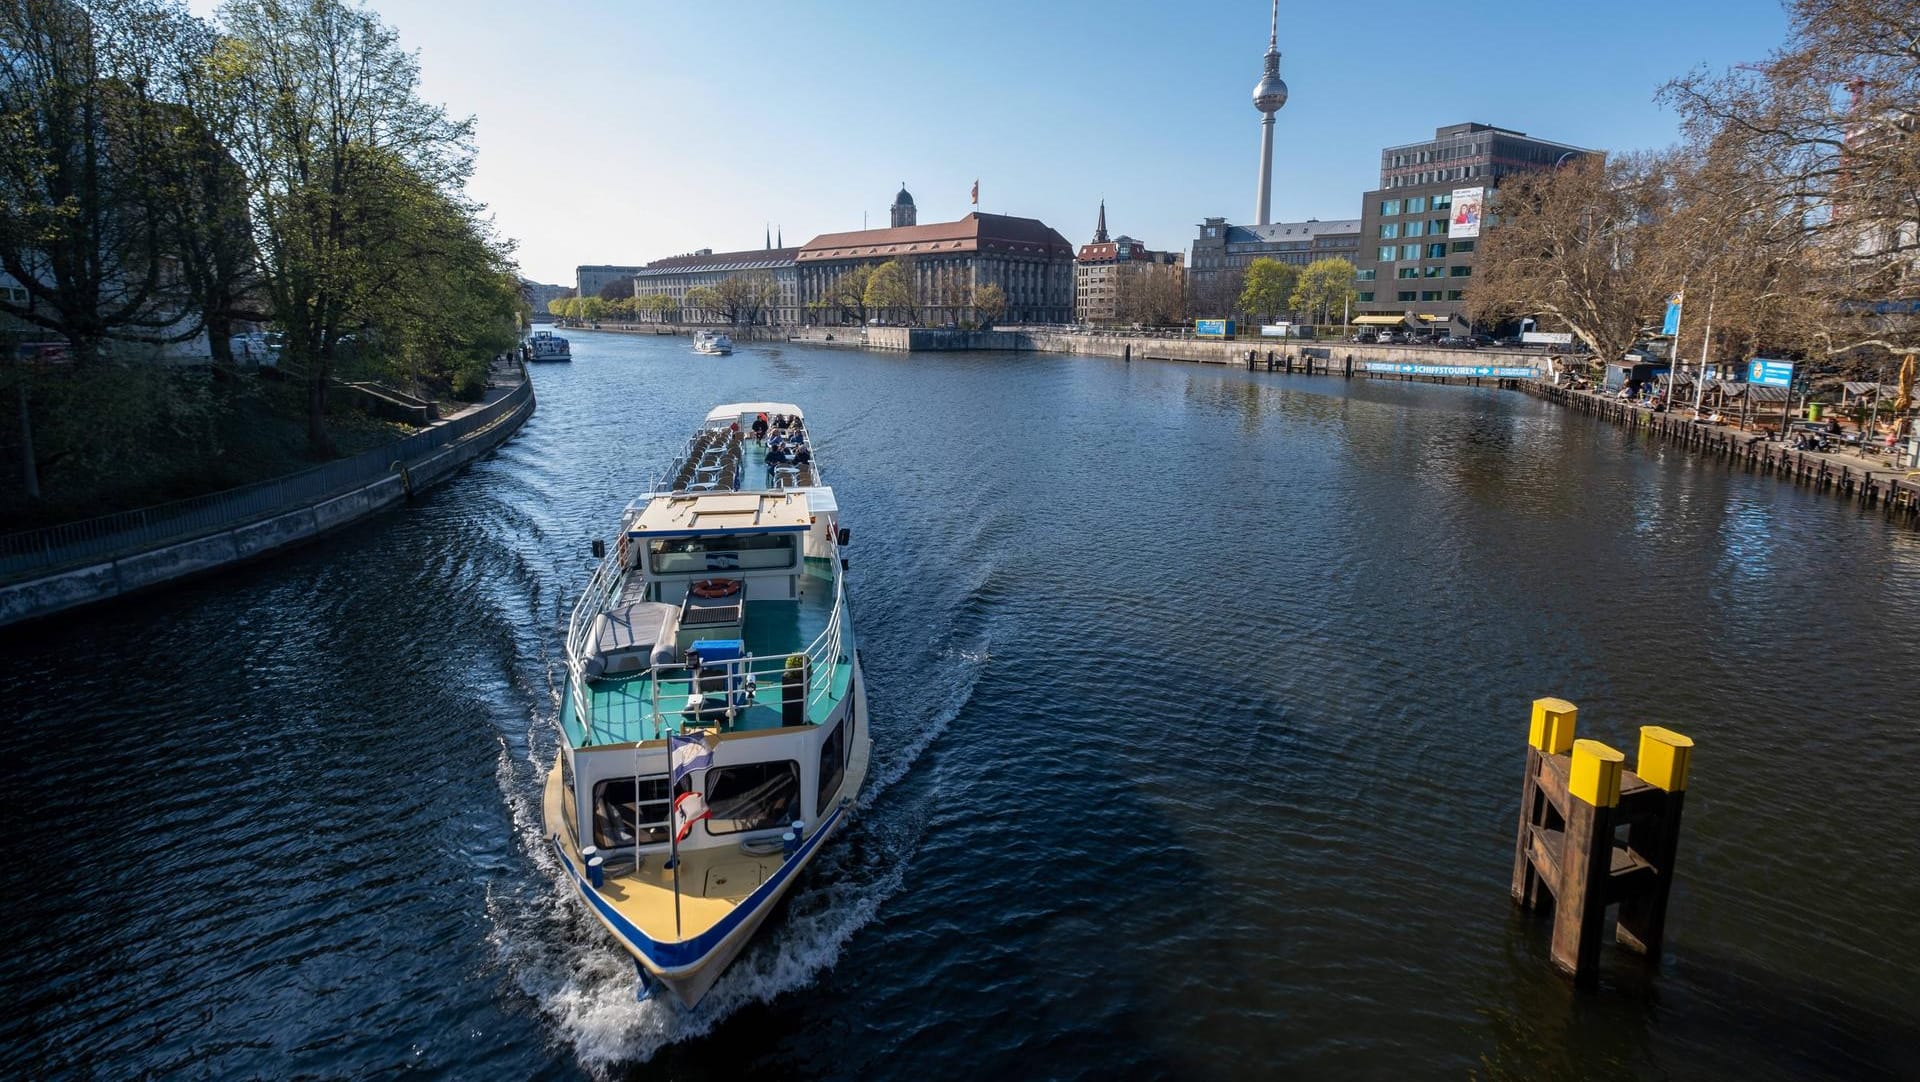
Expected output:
(548, 346)
(712, 343)
(714, 724)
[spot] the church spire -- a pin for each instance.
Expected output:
(769, 237)
(1100, 230)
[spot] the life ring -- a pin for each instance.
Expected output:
(716, 587)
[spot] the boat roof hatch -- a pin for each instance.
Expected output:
(726, 512)
(734, 411)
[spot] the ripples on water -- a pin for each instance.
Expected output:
(1197, 702)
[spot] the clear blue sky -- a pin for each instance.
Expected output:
(621, 132)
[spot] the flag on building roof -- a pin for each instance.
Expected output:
(688, 809)
(688, 753)
(976, 191)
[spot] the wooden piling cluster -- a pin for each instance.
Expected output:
(1574, 797)
(1896, 497)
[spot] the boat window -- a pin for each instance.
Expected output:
(833, 767)
(614, 809)
(731, 552)
(753, 796)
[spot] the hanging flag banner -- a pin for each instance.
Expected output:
(688, 754)
(688, 809)
(1468, 205)
(976, 191)
(1672, 323)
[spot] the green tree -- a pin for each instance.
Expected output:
(1325, 287)
(1269, 283)
(741, 297)
(847, 296)
(704, 300)
(557, 307)
(593, 309)
(82, 183)
(329, 117)
(989, 302)
(890, 288)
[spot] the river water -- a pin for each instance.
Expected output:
(1199, 700)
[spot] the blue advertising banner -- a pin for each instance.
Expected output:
(1457, 371)
(1212, 328)
(1770, 373)
(1672, 324)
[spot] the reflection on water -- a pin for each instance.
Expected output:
(1197, 697)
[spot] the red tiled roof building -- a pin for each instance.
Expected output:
(946, 262)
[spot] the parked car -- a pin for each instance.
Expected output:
(1367, 337)
(1458, 342)
(1481, 339)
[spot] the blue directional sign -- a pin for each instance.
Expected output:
(1457, 371)
(1770, 373)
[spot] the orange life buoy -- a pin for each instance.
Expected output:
(716, 587)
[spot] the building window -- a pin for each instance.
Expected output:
(1387, 252)
(1417, 205)
(1443, 202)
(1435, 272)
(1389, 208)
(1364, 298)
(1409, 251)
(1416, 229)
(1437, 251)
(1437, 227)
(1430, 295)
(1459, 272)
(1456, 294)
(1409, 272)
(1463, 246)
(1389, 230)
(1363, 275)
(1406, 294)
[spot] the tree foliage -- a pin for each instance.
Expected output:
(1267, 286)
(890, 288)
(989, 302)
(1325, 287)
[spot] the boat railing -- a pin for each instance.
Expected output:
(594, 600)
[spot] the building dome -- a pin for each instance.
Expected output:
(906, 200)
(1270, 93)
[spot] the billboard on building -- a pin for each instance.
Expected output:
(1468, 206)
(1212, 328)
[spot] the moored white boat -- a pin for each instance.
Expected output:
(548, 346)
(714, 725)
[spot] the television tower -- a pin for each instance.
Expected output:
(1269, 94)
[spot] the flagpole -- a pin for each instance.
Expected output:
(1700, 384)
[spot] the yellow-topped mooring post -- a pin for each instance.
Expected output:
(1576, 792)
(1550, 734)
(1664, 758)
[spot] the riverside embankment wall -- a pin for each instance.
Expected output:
(240, 537)
(1192, 350)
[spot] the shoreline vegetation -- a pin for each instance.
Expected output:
(176, 189)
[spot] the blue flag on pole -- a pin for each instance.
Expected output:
(1672, 324)
(687, 754)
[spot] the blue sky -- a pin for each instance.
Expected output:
(615, 132)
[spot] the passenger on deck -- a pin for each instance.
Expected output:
(802, 455)
(760, 429)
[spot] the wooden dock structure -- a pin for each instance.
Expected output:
(1574, 798)
(1890, 490)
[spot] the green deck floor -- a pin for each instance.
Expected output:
(622, 707)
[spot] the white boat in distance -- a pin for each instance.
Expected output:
(712, 343)
(714, 725)
(548, 346)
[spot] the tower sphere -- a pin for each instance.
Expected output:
(1269, 94)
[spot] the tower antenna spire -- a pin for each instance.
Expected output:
(1273, 37)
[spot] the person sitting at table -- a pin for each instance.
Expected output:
(802, 456)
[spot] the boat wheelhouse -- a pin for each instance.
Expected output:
(714, 629)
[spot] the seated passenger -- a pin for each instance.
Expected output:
(802, 455)
(777, 456)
